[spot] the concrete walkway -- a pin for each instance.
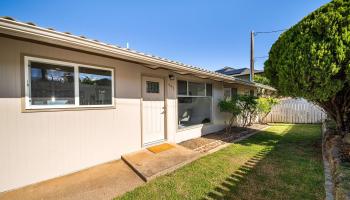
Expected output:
(102, 182)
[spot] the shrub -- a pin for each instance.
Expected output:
(248, 105)
(230, 106)
(261, 79)
(264, 107)
(239, 105)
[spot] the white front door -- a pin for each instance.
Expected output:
(153, 110)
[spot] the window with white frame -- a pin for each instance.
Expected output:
(194, 103)
(57, 84)
(234, 92)
(229, 93)
(251, 92)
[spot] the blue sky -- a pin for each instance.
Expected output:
(206, 33)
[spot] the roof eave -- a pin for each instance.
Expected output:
(27, 31)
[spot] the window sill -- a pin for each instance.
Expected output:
(31, 110)
(193, 127)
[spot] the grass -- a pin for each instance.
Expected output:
(283, 162)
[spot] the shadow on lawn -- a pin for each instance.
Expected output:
(231, 182)
(269, 139)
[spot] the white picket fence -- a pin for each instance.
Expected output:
(296, 111)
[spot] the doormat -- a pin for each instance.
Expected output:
(160, 148)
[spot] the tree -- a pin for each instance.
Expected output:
(264, 107)
(230, 106)
(261, 79)
(239, 105)
(312, 60)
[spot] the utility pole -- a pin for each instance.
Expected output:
(251, 77)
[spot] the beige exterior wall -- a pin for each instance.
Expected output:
(40, 145)
(36, 146)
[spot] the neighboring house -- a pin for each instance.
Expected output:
(69, 103)
(242, 73)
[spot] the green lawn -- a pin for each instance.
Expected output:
(283, 162)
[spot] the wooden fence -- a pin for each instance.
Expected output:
(296, 111)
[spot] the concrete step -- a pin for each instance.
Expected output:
(149, 165)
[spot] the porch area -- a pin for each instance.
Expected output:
(158, 160)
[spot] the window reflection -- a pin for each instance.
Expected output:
(196, 89)
(195, 106)
(51, 84)
(95, 86)
(194, 110)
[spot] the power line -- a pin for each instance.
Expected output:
(263, 32)
(252, 58)
(261, 57)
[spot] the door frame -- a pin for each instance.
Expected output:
(165, 108)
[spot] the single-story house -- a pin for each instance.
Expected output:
(68, 103)
(241, 73)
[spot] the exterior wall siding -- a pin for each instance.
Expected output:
(36, 146)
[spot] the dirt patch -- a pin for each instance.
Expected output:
(210, 141)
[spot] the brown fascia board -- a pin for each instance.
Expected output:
(50, 36)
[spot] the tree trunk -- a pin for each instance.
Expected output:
(261, 118)
(343, 126)
(341, 120)
(245, 119)
(262, 121)
(338, 109)
(230, 124)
